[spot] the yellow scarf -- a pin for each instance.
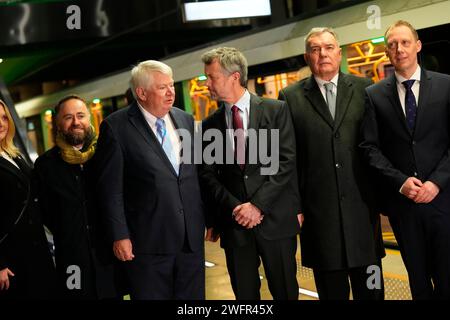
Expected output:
(73, 156)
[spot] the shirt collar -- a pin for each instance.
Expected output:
(321, 82)
(150, 118)
(243, 103)
(415, 76)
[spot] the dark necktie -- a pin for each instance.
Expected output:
(410, 104)
(239, 137)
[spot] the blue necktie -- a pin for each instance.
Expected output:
(410, 104)
(166, 144)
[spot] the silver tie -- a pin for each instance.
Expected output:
(331, 98)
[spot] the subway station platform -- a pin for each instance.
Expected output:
(218, 285)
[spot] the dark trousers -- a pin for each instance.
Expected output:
(278, 258)
(167, 277)
(335, 285)
(423, 235)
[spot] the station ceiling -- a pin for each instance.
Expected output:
(40, 41)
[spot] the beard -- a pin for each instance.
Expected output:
(77, 138)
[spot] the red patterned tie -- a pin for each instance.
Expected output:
(239, 137)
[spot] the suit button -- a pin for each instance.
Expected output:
(337, 135)
(36, 200)
(246, 177)
(415, 174)
(181, 211)
(413, 143)
(338, 166)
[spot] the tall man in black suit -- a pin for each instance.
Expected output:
(256, 215)
(150, 199)
(341, 233)
(406, 132)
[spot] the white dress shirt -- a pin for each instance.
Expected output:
(243, 105)
(402, 93)
(321, 84)
(402, 90)
(170, 127)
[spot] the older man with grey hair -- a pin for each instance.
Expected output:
(341, 234)
(150, 200)
(256, 215)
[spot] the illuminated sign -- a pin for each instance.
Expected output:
(210, 10)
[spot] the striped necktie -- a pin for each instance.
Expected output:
(166, 144)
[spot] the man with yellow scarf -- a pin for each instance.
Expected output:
(66, 197)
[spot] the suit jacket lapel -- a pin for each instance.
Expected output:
(392, 94)
(178, 123)
(343, 98)
(220, 123)
(424, 95)
(25, 169)
(177, 120)
(315, 97)
(138, 121)
(8, 166)
(220, 119)
(255, 123)
(256, 111)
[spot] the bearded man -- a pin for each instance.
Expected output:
(64, 176)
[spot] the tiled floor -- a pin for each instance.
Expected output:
(218, 283)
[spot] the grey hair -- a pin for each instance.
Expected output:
(230, 59)
(141, 75)
(319, 30)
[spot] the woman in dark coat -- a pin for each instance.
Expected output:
(26, 265)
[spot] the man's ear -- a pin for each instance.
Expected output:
(141, 94)
(306, 57)
(419, 46)
(237, 76)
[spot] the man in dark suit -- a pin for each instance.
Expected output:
(406, 140)
(65, 188)
(256, 215)
(341, 234)
(151, 200)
